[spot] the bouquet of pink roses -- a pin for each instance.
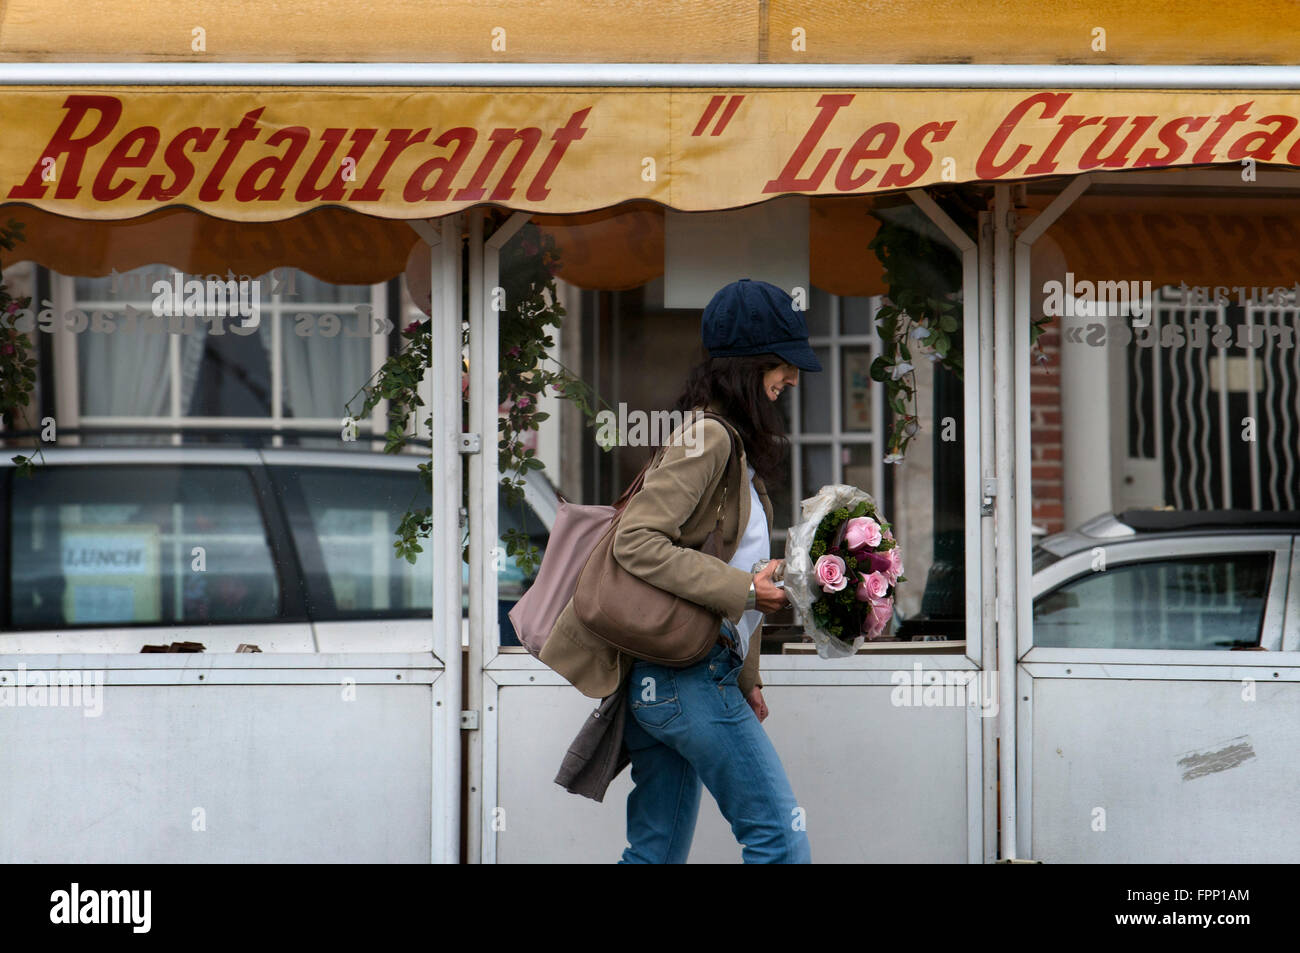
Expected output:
(841, 569)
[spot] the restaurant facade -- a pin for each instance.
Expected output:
(1134, 202)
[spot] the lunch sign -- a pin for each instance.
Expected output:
(262, 154)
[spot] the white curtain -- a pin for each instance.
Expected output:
(322, 373)
(124, 375)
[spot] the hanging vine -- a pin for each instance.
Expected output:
(17, 366)
(922, 317)
(530, 311)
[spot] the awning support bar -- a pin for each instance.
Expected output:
(774, 75)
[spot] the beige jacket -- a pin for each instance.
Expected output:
(658, 539)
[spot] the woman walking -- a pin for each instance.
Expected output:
(700, 726)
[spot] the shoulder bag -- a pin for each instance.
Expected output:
(640, 619)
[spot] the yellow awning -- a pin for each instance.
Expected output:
(334, 245)
(266, 154)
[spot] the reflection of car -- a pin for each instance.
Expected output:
(109, 549)
(535, 518)
(1169, 579)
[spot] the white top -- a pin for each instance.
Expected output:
(755, 545)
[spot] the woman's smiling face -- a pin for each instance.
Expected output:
(778, 379)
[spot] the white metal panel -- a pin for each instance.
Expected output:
(880, 782)
(1184, 771)
(379, 635)
(262, 770)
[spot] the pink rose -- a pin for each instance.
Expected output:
(523, 401)
(860, 532)
(895, 567)
(878, 617)
(861, 591)
(876, 585)
(830, 573)
(413, 326)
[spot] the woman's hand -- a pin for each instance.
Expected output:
(768, 596)
(755, 699)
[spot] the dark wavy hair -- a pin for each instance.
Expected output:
(736, 385)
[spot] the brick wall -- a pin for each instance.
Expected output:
(1045, 434)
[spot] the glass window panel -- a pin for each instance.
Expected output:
(124, 375)
(323, 366)
(817, 469)
(351, 521)
(113, 545)
(782, 507)
(859, 466)
(227, 375)
(856, 390)
(818, 315)
(297, 288)
(815, 396)
(135, 286)
(511, 580)
(857, 315)
(1208, 602)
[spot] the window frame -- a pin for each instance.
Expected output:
(835, 436)
(68, 378)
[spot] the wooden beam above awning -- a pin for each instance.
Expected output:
(651, 31)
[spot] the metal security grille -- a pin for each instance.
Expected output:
(1214, 400)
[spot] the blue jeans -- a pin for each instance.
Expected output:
(691, 725)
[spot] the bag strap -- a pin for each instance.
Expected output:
(731, 461)
(639, 480)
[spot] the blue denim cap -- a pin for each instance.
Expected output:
(753, 317)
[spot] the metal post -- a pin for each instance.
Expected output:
(1004, 436)
(988, 553)
(482, 376)
(445, 403)
(1017, 512)
(484, 640)
(971, 481)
